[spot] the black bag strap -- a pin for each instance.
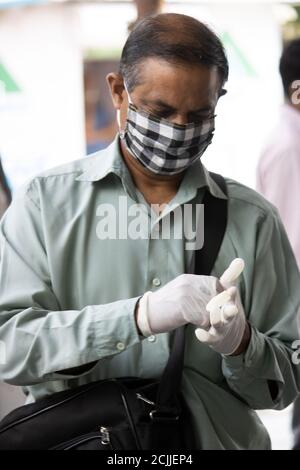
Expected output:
(214, 230)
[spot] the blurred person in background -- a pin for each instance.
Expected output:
(76, 307)
(278, 172)
(146, 8)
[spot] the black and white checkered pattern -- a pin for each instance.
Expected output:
(163, 147)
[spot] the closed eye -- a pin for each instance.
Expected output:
(200, 117)
(164, 111)
(165, 114)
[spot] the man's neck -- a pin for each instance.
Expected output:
(156, 189)
(296, 107)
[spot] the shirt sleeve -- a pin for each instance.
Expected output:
(37, 337)
(267, 374)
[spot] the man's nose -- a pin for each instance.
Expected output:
(180, 119)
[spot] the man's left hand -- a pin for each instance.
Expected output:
(229, 333)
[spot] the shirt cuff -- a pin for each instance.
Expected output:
(249, 358)
(111, 329)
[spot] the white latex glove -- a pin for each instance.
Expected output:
(227, 317)
(183, 300)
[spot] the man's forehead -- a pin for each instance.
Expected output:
(164, 77)
(187, 98)
(163, 103)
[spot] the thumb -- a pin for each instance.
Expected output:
(230, 310)
(204, 336)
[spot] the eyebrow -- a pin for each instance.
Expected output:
(164, 105)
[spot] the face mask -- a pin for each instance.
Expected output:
(162, 147)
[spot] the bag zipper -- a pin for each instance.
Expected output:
(103, 435)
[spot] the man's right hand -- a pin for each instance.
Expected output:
(183, 300)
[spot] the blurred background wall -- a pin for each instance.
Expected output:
(41, 104)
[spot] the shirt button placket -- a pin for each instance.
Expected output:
(156, 282)
(120, 346)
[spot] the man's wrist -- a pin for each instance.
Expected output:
(135, 317)
(141, 315)
(245, 341)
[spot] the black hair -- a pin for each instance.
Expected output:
(289, 66)
(178, 39)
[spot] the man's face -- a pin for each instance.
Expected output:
(180, 94)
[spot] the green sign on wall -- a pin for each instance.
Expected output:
(238, 55)
(7, 81)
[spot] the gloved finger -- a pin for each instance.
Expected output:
(234, 270)
(204, 336)
(229, 311)
(232, 291)
(221, 316)
(216, 317)
(218, 301)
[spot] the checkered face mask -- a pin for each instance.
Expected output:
(162, 147)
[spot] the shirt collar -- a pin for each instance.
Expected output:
(107, 161)
(101, 163)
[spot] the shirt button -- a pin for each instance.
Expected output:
(120, 346)
(152, 338)
(156, 282)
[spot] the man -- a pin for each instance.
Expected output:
(78, 306)
(278, 173)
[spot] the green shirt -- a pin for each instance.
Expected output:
(67, 297)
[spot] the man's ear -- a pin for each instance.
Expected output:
(222, 92)
(116, 87)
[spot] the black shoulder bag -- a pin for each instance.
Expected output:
(121, 413)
